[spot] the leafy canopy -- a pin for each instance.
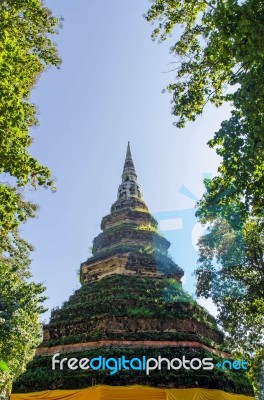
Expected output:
(220, 57)
(20, 306)
(231, 272)
(26, 50)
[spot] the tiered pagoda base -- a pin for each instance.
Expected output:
(136, 316)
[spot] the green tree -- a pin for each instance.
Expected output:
(20, 306)
(220, 47)
(220, 57)
(26, 50)
(231, 272)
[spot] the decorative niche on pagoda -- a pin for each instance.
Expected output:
(130, 242)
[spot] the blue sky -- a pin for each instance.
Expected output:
(108, 91)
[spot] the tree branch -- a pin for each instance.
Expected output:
(210, 5)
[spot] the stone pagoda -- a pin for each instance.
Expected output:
(131, 303)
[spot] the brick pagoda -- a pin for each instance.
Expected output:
(131, 303)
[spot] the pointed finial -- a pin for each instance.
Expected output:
(128, 153)
(129, 168)
(129, 186)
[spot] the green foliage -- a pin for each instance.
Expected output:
(119, 227)
(140, 312)
(123, 225)
(19, 326)
(3, 366)
(256, 373)
(173, 292)
(140, 209)
(26, 50)
(220, 46)
(231, 272)
(149, 249)
(220, 43)
(147, 227)
(13, 211)
(239, 183)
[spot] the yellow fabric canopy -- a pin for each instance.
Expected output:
(203, 394)
(134, 392)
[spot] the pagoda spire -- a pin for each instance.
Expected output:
(129, 187)
(129, 167)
